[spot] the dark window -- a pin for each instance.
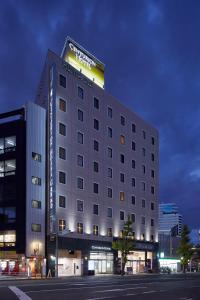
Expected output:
(143, 169)
(110, 113)
(143, 151)
(36, 204)
(133, 146)
(62, 177)
(122, 177)
(143, 203)
(153, 140)
(96, 166)
(152, 189)
(133, 163)
(133, 218)
(152, 238)
(152, 206)
(133, 127)
(122, 120)
(80, 115)
(96, 124)
(96, 103)
(62, 80)
(143, 186)
(61, 201)
(61, 225)
(152, 173)
(152, 222)
(109, 172)
(36, 180)
(95, 229)
(62, 105)
(80, 228)
(80, 205)
(152, 157)
(110, 132)
(80, 183)
(122, 158)
(96, 145)
(109, 212)
(109, 232)
(95, 209)
(109, 192)
(80, 160)
(143, 220)
(62, 153)
(36, 227)
(80, 92)
(121, 215)
(80, 138)
(62, 129)
(36, 156)
(109, 152)
(133, 200)
(95, 188)
(133, 182)
(143, 134)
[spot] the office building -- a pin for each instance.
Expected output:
(170, 219)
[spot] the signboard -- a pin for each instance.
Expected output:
(84, 62)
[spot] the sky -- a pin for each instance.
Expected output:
(151, 50)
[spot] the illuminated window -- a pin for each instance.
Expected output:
(36, 156)
(122, 215)
(109, 232)
(122, 120)
(109, 212)
(109, 152)
(95, 188)
(110, 113)
(80, 138)
(80, 115)
(36, 180)
(62, 201)
(7, 238)
(62, 80)
(121, 196)
(80, 160)
(142, 237)
(61, 225)
(80, 92)
(62, 129)
(36, 204)
(62, 153)
(80, 183)
(122, 177)
(110, 193)
(95, 229)
(122, 139)
(36, 227)
(80, 205)
(80, 228)
(96, 103)
(62, 177)
(10, 143)
(62, 105)
(7, 167)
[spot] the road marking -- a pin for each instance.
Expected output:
(131, 294)
(100, 298)
(113, 290)
(21, 295)
(148, 292)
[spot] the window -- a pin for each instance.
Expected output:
(96, 103)
(152, 222)
(96, 124)
(61, 225)
(109, 172)
(7, 238)
(133, 146)
(36, 156)
(143, 186)
(62, 80)
(143, 151)
(95, 188)
(80, 160)
(80, 92)
(95, 166)
(62, 153)
(109, 132)
(109, 192)
(122, 177)
(133, 182)
(152, 140)
(143, 169)
(62, 129)
(109, 212)
(143, 220)
(36, 180)
(122, 120)
(152, 206)
(80, 138)
(36, 204)
(109, 232)
(80, 115)
(121, 215)
(80, 205)
(143, 203)
(133, 127)
(133, 164)
(7, 144)
(143, 134)
(110, 113)
(122, 139)
(7, 167)
(80, 183)
(133, 218)
(36, 227)
(121, 196)
(95, 229)
(62, 105)
(62, 177)
(152, 190)
(152, 157)
(96, 209)
(152, 173)
(133, 200)
(96, 145)
(109, 152)
(80, 228)
(62, 201)
(122, 158)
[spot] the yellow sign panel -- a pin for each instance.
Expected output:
(84, 62)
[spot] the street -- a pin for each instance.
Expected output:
(140, 287)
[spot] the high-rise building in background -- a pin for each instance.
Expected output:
(170, 220)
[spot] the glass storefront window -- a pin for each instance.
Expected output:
(7, 238)
(10, 166)
(10, 142)
(1, 168)
(1, 146)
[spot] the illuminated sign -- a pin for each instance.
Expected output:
(84, 62)
(101, 248)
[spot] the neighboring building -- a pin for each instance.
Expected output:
(22, 190)
(195, 237)
(170, 220)
(102, 165)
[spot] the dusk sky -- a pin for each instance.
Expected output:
(151, 50)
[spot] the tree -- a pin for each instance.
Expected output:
(185, 248)
(125, 243)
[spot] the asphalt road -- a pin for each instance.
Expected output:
(139, 287)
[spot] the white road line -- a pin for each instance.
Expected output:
(149, 292)
(21, 295)
(113, 290)
(131, 294)
(100, 298)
